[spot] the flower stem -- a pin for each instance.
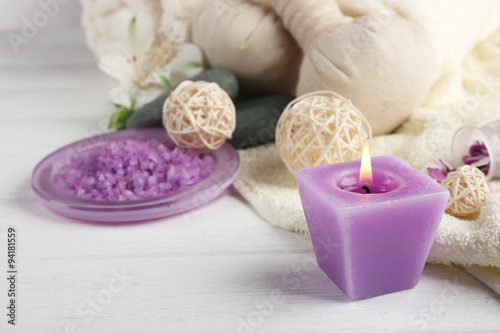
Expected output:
(118, 120)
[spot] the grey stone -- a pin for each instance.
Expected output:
(256, 120)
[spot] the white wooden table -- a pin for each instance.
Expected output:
(218, 269)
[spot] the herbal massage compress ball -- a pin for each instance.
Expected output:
(249, 41)
(388, 57)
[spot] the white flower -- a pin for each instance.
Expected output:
(151, 61)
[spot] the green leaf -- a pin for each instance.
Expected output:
(119, 119)
(191, 64)
(133, 100)
(165, 81)
(132, 28)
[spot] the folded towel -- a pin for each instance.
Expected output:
(267, 184)
(490, 276)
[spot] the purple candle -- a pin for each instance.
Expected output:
(371, 236)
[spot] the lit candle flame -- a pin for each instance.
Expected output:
(365, 172)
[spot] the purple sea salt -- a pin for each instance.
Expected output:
(131, 170)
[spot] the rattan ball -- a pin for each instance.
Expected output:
(320, 128)
(199, 116)
(468, 191)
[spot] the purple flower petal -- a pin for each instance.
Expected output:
(444, 165)
(483, 161)
(478, 149)
(478, 157)
(476, 160)
(437, 174)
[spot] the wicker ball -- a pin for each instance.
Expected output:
(468, 191)
(199, 116)
(320, 128)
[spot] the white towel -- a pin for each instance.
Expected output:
(267, 184)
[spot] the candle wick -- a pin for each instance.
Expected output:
(366, 189)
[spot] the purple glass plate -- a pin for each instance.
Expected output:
(226, 160)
